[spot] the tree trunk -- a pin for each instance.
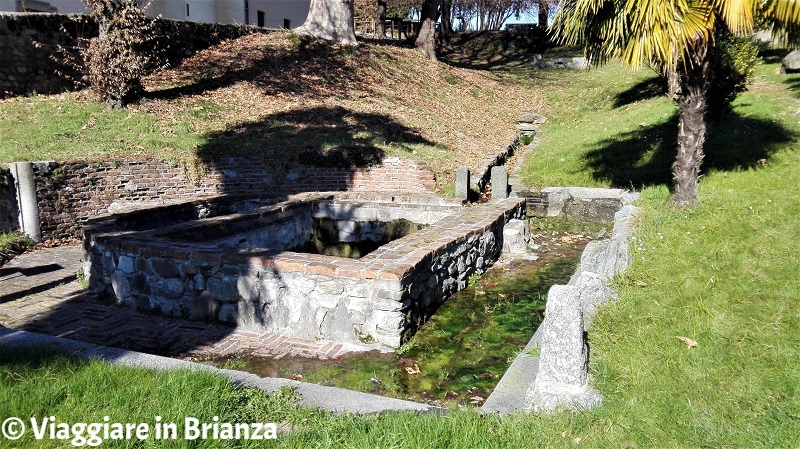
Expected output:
(691, 126)
(331, 20)
(543, 13)
(673, 83)
(380, 20)
(446, 23)
(673, 77)
(426, 39)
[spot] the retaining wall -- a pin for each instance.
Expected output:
(70, 193)
(29, 42)
(8, 202)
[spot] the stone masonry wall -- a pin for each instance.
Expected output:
(29, 46)
(70, 193)
(26, 67)
(8, 202)
(384, 296)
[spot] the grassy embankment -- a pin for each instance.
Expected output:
(723, 274)
(288, 101)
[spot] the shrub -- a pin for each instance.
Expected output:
(123, 53)
(732, 68)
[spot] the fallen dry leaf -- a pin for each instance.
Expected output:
(477, 400)
(412, 370)
(297, 376)
(689, 342)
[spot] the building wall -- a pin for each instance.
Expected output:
(9, 5)
(276, 11)
(212, 11)
(199, 11)
(230, 11)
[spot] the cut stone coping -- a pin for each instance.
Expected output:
(335, 400)
(514, 390)
(392, 261)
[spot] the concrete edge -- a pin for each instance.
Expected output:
(332, 399)
(515, 386)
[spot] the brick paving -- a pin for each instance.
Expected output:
(40, 292)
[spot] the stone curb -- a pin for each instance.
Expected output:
(335, 400)
(600, 262)
(484, 172)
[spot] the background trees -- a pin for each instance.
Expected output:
(680, 35)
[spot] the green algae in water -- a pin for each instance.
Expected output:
(459, 355)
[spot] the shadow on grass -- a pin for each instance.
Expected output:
(311, 67)
(644, 157)
(773, 55)
(323, 136)
(487, 50)
(643, 90)
(793, 81)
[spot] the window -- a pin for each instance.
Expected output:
(261, 17)
(187, 10)
(246, 12)
(287, 24)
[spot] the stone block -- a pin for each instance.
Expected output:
(126, 264)
(121, 286)
(516, 237)
(357, 290)
(557, 198)
(593, 292)
(462, 183)
(562, 379)
(139, 283)
(222, 289)
(203, 308)
(247, 288)
(168, 288)
(533, 117)
(165, 268)
(623, 221)
(330, 288)
(336, 324)
(499, 183)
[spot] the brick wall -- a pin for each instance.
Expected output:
(70, 193)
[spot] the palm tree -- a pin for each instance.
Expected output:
(673, 34)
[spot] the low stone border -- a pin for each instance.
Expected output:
(484, 173)
(551, 372)
(335, 400)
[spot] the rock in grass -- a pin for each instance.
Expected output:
(791, 63)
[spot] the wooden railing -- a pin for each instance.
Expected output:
(396, 29)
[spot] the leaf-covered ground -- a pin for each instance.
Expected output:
(286, 99)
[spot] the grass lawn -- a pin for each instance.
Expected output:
(11, 244)
(724, 274)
